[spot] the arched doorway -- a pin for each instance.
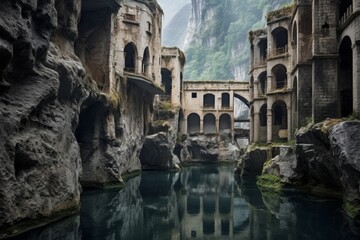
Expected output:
(146, 62)
(209, 123)
(279, 76)
(193, 123)
(262, 81)
(280, 38)
(166, 81)
(279, 115)
(130, 53)
(345, 85)
(225, 122)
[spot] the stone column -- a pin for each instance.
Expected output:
(269, 84)
(269, 125)
(251, 128)
(256, 89)
(289, 122)
(138, 65)
(256, 126)
(201, 125)
(356, 77)
(217, 126)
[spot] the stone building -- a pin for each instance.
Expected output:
(172, 66)
(208, 106)
(304, 67)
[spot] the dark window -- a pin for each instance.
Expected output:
(194, 95)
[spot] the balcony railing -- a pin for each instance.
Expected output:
(127, 69)
(346, 16)
(278, 51)
(258, 62)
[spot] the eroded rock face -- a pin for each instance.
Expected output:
(39, 156)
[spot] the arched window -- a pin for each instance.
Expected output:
(280, 38)
(225, 100)
(209, 100)
(209, 123)
(146, 62)
(225, 122)
(166, 80)
(193, 123)
(130, 57)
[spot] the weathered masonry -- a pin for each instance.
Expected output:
(304, 67)
(208, 106)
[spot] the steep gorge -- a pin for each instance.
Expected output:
(217, 42)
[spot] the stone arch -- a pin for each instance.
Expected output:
(263, 115)
(345, 81)
(166, 81)
(280, 39)
(225, 121)
(262, 81)
(279, 73)
(130, 52)
(146, 61)
(209, 100)
(209, 123)
(263, 50)
(225, 100)
(193, 123)
(241, 98)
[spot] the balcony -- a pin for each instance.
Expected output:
(143, 82)
(278, 51)
(346, 16)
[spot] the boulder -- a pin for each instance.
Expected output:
(252, 162)
(157, 153)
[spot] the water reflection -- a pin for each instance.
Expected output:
(202, 202)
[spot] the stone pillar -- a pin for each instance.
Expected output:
(251, 128)
(289, 122)
(269, 125)
(217, 126)
(256, 89)
(138, 65)
(269, 84)
(256, 126)
(356, 77)
(202, 125)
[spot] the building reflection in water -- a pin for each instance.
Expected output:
(200, 202)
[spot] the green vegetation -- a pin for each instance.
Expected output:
(221, 46)
(353, 210)
(270, 182)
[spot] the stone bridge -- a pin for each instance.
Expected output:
(208, 106)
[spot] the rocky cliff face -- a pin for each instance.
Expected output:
(56, 128)
(217, 37)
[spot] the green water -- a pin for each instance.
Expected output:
(201, 202)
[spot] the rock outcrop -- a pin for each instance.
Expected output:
(209, 148)
(42, 88)
(325, 159)
(252, 162)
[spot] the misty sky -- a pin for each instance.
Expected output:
(171, 7)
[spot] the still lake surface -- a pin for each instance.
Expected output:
(201, 202)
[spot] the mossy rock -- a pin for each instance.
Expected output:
(352, 209)
(269, 182)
